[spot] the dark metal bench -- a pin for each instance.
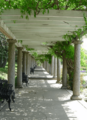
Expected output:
(6, 92)
(24, 78)
(32, 69)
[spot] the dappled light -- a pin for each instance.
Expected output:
(43, 100)
(73, 110)
(40, 74)
(46, 73)
(53, 84)
(40, 59)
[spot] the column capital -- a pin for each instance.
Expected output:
(12, 40)
(77, 41)
(20, 48)
(27, 52)
(24, 51)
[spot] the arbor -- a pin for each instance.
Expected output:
(60, 49)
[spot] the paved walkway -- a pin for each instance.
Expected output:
(44, 100)
(40, 73)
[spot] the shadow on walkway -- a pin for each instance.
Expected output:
(44, 100)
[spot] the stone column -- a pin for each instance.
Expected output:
(24, 62)
(48, 68)
(58, 70)
(19, 68)
(76, 79)
(64, 76)
(55, 68)
(27, 63)
(11, 62)
(31, 61)
(41, 65)
(52, 66)
(45, 65)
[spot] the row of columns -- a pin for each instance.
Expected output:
(55, 71)
(53, 68)
(28, 62)
(11, 67)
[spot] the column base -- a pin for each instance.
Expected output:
(57, 81)
(55, 78)
(19, 86)
(75, 97)
(64, 87)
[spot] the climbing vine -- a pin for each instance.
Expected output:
(42, 57)
(66, 49)
(36, 6)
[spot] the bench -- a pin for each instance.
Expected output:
(6, 92)
(24, 78)
(32, 69)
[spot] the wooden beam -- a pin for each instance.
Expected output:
(42, 29)
(27, 39)
(41, 22)
(40, 18)
(46, 25)
(4, 29)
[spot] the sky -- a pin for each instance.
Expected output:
(84, 44)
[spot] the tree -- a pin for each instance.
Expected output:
(3, 50)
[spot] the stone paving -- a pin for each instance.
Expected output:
(40, 73)
(44, 100)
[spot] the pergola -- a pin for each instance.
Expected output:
(33, 32)
(47, 28)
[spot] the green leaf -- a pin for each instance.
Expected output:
(14, 21)
(27, 17)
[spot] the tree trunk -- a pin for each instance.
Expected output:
(70, 68)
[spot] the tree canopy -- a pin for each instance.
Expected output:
(26, 6)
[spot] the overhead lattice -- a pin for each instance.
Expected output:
(44, 28)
